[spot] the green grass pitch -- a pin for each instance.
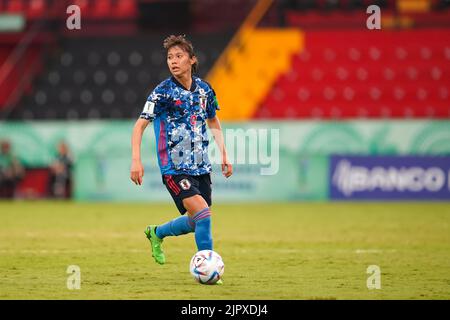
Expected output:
(271, 251)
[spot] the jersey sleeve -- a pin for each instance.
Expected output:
(212, 104)
(154, 104)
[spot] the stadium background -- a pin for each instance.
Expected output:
(334, 89)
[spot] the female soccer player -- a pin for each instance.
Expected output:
(179, 108)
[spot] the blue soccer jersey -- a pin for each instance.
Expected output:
(179, 118)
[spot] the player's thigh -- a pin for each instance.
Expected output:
(205, 188)
(181, 187)
(194, 204)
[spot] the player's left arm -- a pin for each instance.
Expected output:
(216, 130)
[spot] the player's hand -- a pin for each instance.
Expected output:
(137, 172)
(227, 168)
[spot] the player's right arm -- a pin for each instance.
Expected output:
(137, 170)
(152, 108)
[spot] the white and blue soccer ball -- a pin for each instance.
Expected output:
(207, 267)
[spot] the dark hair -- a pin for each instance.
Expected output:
(184, 44)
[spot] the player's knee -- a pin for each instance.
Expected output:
(194, 204)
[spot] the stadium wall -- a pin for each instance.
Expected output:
(303, 170)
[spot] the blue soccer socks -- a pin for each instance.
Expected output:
(203, 237)
(176, 227)
(200, 223)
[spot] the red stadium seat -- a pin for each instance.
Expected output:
(84, 7)
(36, 9)
(125, 9)
(389, 74)
(102, 9)
(15, 6)
(34, 184)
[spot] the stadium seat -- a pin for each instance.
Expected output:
(84, 6)
(379, 75)
(124, 9)
(15, 6)
(36, 9)
(102, 9)
(96, 73)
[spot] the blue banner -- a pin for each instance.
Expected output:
(389, 178)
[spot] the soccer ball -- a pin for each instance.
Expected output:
(207, 267)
